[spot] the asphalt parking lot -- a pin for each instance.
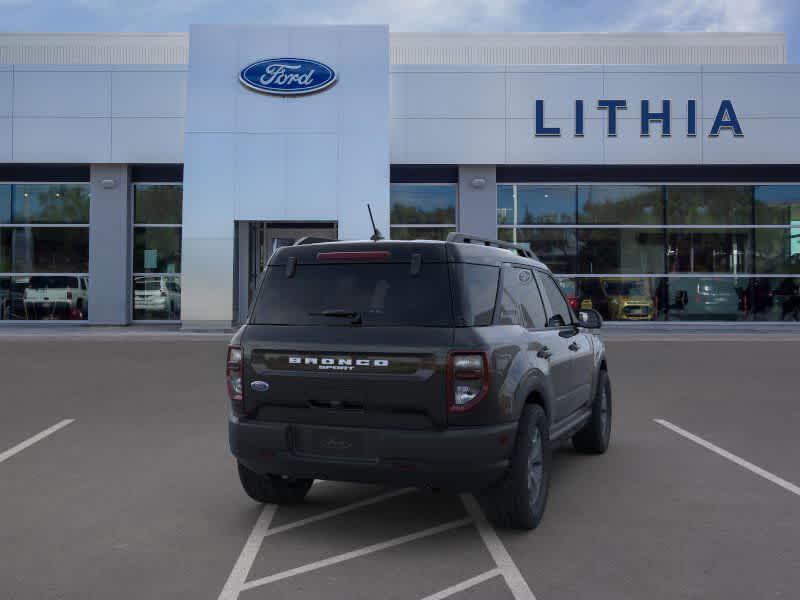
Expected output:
(116, 482)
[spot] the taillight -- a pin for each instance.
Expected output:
(574, 302)
(69, 294)
(233, 377)
(467, 380)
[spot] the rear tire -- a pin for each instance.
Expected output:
(519, 500)
(273, 489)
(596, 434)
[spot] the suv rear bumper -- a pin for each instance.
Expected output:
(459, 459)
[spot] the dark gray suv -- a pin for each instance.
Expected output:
(454, 365)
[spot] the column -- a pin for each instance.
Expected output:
(477, 201)
(109, 245)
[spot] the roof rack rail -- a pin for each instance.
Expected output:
(465, 238)
(311, 239)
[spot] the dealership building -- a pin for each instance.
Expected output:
(148, 177)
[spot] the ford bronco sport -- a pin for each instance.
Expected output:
(454, 365)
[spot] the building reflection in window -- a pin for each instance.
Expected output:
(157, 220)
(156, 297)
(44, 252)
(422, 210)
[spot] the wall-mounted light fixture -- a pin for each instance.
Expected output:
(478, 182)
(109, 183)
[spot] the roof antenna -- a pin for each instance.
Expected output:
(376, 235)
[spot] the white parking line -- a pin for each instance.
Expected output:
(464, 585)
(339, 511)
(508, 568)
(245, 561)
(33, 439)
(790, 487)
(241, 569)
(356, 553)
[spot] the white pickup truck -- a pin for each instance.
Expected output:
(56, 297)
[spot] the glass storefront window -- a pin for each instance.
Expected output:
(710, 250)
(620, 204)
(725, 252)
(158, 204)
(157, 215)
(778, 250)
(157, 250)
(557, 248)
(156, 297)
(43, 263)
(44, 204)
(413, 204)
(777, 205)
(422, 210)
(620, 251)
(44, 250)
(775, 299)
(536, 204)
(709, 205)
(5, 203)
(505, 205)
(44, 297)
(708, 299)
(619, 298)
(421, 233)
(687, 298)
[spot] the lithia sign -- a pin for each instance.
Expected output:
(725, 120)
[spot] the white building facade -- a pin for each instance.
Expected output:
(143, 179)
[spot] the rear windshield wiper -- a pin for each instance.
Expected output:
(354, 316)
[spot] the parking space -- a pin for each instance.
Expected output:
(138, 496)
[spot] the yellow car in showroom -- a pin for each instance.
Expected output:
(629, 299)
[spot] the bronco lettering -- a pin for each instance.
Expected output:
(338, 363)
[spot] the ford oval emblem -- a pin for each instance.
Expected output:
(259, 386)
(287, 76)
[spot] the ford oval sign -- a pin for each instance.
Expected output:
(287, 76)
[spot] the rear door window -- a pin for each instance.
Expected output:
(355, 295)
(561, 313)
(520, 301)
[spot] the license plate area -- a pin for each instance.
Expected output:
(330, 442)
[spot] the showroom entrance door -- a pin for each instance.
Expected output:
(256, 241)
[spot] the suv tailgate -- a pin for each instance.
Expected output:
(385, 377)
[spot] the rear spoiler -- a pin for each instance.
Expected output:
(312, 239)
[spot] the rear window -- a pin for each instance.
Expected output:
(712, 287)
(40, 282)
(625, 288)
(355, 295)
(148, 285)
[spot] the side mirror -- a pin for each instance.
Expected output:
(590, 319)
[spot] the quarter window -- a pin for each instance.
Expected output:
(520, 302)
(477, 290)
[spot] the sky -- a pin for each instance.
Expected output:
(414, 15)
